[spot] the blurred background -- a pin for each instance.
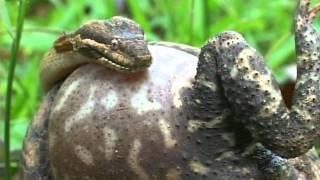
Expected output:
(267, 25)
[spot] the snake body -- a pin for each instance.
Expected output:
(57, 66)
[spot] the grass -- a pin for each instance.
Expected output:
(14, 51)
(265, 24)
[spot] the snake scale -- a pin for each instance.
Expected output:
(118, 44)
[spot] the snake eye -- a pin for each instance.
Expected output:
(114, 44)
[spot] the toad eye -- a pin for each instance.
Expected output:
(114, 44)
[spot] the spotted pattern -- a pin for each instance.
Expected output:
(133, 160)
(255, 97)
(110, 139)
(198, 167)
(165, 128)
(110, 101)
(70, 90)
(143, 104)
(84, 154)
(35, 152)
(85, 109)
(158, 143)
(31, 153)
(173, 174)
(153, 126)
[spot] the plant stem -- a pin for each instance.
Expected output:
(14, 52)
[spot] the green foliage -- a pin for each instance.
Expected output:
(14, 52)
(265, 24)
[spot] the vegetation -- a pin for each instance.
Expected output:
(267, 25)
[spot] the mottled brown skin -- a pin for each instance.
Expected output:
(183, 119)
(135, 112)
(35, 164)
(255, 97)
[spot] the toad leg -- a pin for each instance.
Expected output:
(254, 95)
(35, 158)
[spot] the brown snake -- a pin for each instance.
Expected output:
(117, 43)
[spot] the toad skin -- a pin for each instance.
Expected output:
(254, 95)
(173, 120)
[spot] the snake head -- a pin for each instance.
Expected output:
(117, 43)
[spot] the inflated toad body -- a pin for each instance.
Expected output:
(182, 118)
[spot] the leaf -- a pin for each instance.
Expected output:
(4, 18)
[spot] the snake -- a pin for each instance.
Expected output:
(117, 43)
